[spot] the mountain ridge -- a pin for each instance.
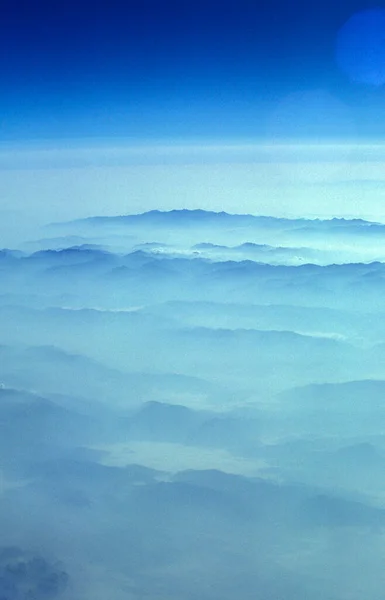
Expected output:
(201, 215)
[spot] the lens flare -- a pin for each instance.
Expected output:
(360, 48)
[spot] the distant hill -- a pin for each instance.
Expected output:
(185, 217)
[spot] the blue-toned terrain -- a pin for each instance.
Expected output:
(192, 407)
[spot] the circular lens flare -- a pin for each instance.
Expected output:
(360, 48)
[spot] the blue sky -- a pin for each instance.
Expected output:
(182, 69)
(122, 107)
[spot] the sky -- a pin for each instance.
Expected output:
(151, 69)
(156, 93)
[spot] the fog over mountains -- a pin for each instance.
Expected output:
(192, 407)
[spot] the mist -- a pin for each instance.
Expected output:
(191, 406)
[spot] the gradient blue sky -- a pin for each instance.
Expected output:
(118, 107)
(177, 68)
